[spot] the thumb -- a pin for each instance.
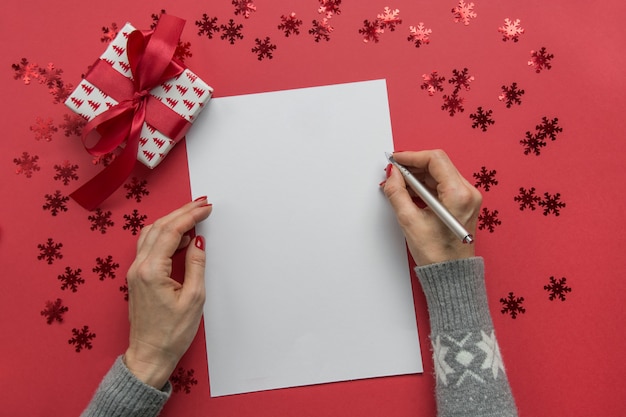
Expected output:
(401, 201)
(195, 263)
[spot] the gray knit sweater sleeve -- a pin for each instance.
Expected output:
(469, 372)
(121, 394)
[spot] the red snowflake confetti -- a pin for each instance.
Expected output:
(511, 95)
(71, 279)
(101, 221)
(25, 71)
(482, 119)
(134, 222)
(557, 288)
(512, 305)
(60, 92)
(73, 124)
(551, 204)
(419, 35)
(82, 338)
(244, 7)
(290, 24)
(105, 268)
(432, 83)
(511, 30)
(463, 12)
(461, 80)
(124, 289)
(389, 19)
(54, 311)
(371, 31)
(56, 202)
(105, 159)
(109, 33)
(66, 172)
(453, 104)
(527, 199)
(43, 129)
(264, 48)
(50, 251)
(183, 51)
(155, 18)
(136, 189)
(485, 178)
(548, 128)
(488, 220)
(321, 30)
(232, 31)
(182, 380)
(532, 144)
(540, 60)
(329, 7)
(50, 76)
(26, 164)
(207, 26)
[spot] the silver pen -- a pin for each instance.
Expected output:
(420, 189)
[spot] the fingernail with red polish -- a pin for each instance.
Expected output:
(207, 205)
(201, 198)
(382, 183)
(199, 242)
(388, 170)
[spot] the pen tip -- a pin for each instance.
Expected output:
(388, 155)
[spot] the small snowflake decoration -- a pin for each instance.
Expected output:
(105, 268)
(183, 51)
(66, 172)
(72, 124)
(55, 202)
(321, 30)
(453, 103)
(25, 71)
(101, 221)
(290, 24)
(557, 288)
(527, 199)
(329, 7)
(433, 83)
(182, 380)
(207, 26)
(155, 18)
(43, 129)
(244, 7)
(389, 19)
(71, 279)
(512, 305)
(371, 31)
(81, 338)
(50, 251)
(485, 178)
(548, 129)
(50, 76)
(461, 80)
(551, 204)
(511, 95)
(540, 60)
(264, 48)
(54, 311)
(488, 220)
(26, 164)
(124, 289)
(231, 32)
(511, 30)
(419, 35)
(109, 33)
(532, 143)
(463, 12)
(136, 189)
(134, 221)
(482, 119)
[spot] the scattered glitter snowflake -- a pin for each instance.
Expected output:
(321, 30)
(485, 178)
(55, 202)
(389, 19)
(50, 76)
(290, 24)
(512, 305)
(540, 60)
(551, 204)
(82, 338)
(71, 279)
(264, 48)
(136, 189)
(532, 144)
(432, 83)
(134, 222)
(182, 380)
(419, 35)
(557, 288)
(527, 199)
(329, 7)
(60, 92)
(453, 104)
(207, 26)
(183, 51)
(482, 119)
(232, 31)
(461, 80)
(156, 17)
(101, 220)
(124, 289)
(511, 30)
(66, 172)
(49, 251)
(371, 31)
(73, 124)
(105, 159)
(25, 71)
(244, 7)
(548, 128)
(54, 311)
(105, 268)
(43, 129)
(511, 95)
(488, 220)
(463, 12)
(26, 164)
(109, 33)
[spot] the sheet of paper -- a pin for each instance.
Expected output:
(307, 273)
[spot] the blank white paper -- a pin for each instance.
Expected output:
(307, 272)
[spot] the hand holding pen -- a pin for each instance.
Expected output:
(429, 238)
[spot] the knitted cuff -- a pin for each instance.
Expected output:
(456, 295)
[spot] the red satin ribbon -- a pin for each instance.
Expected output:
(150, 57)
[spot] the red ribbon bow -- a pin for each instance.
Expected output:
(150, 57)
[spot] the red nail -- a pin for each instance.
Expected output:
(207, 205)
(382, 183)
(201, 198)
(388, 170)
(199, 242)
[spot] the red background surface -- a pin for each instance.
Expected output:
(562, 357)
